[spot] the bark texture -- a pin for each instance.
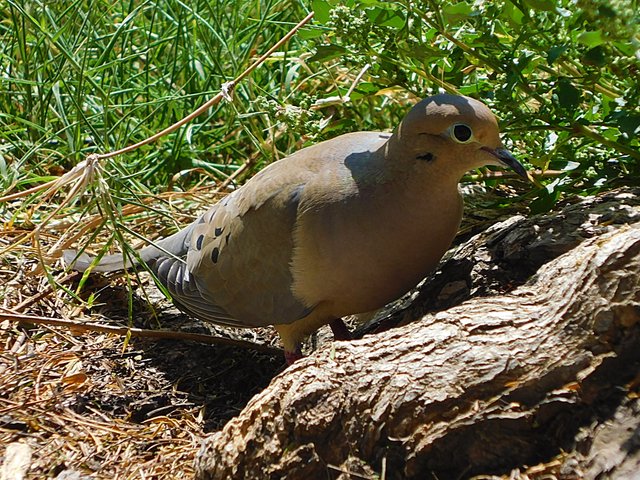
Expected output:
(491, 384)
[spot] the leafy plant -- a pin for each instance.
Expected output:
(564, 77)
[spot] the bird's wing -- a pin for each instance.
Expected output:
(247, 242)
(239, 255)
(241, 250)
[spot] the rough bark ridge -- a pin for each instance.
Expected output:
(485, 386)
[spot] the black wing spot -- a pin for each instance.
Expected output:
(296, 195)
(214, 254)
(427, 157)
(199, 242)
(218, 231)
(226, 239)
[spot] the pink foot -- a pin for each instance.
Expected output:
(340, 330)
(291, 357)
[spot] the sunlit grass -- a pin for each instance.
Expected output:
(90, 77)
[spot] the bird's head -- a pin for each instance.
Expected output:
(455, 129)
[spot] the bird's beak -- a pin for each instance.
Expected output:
(505, 157)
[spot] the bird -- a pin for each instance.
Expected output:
(337, 228)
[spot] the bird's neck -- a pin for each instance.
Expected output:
(403, 163)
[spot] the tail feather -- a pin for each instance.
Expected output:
(175, 245)
(108, 263)
(186, 294)
(165, 259)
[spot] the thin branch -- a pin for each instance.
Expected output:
(139, 332)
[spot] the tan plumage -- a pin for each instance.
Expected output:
(341, 227)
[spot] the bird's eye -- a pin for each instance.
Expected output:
(461, 133)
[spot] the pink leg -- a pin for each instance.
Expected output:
(340, 330)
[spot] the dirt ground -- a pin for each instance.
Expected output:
(96, 404)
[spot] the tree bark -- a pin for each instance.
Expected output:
(492, 384)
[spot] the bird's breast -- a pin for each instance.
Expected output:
(357, 257)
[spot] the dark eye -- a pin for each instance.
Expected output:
(462, 133)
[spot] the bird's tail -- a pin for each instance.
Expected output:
(175, 245)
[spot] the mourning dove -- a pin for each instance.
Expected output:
(338, 228)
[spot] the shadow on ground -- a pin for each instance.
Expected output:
(149, 378)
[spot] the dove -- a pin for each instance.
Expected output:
(338, 228)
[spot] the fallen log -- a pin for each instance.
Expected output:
(491, 384)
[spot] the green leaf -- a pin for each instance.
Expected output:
(548, 196)
(310, 33)
(626, 48)
(513, 13)
(568, 95)
(595, 56)
(322, 10)
(377, 3)
(612, 134)
(566, 165)
(591, 39)
(543, 203)
(456, 12)
(475, 88)
(367, 87)
(423, 52)
(629, 123)
(546, 5)
(458, 8)
(325, 53)
(555, 52)
(386, 17)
